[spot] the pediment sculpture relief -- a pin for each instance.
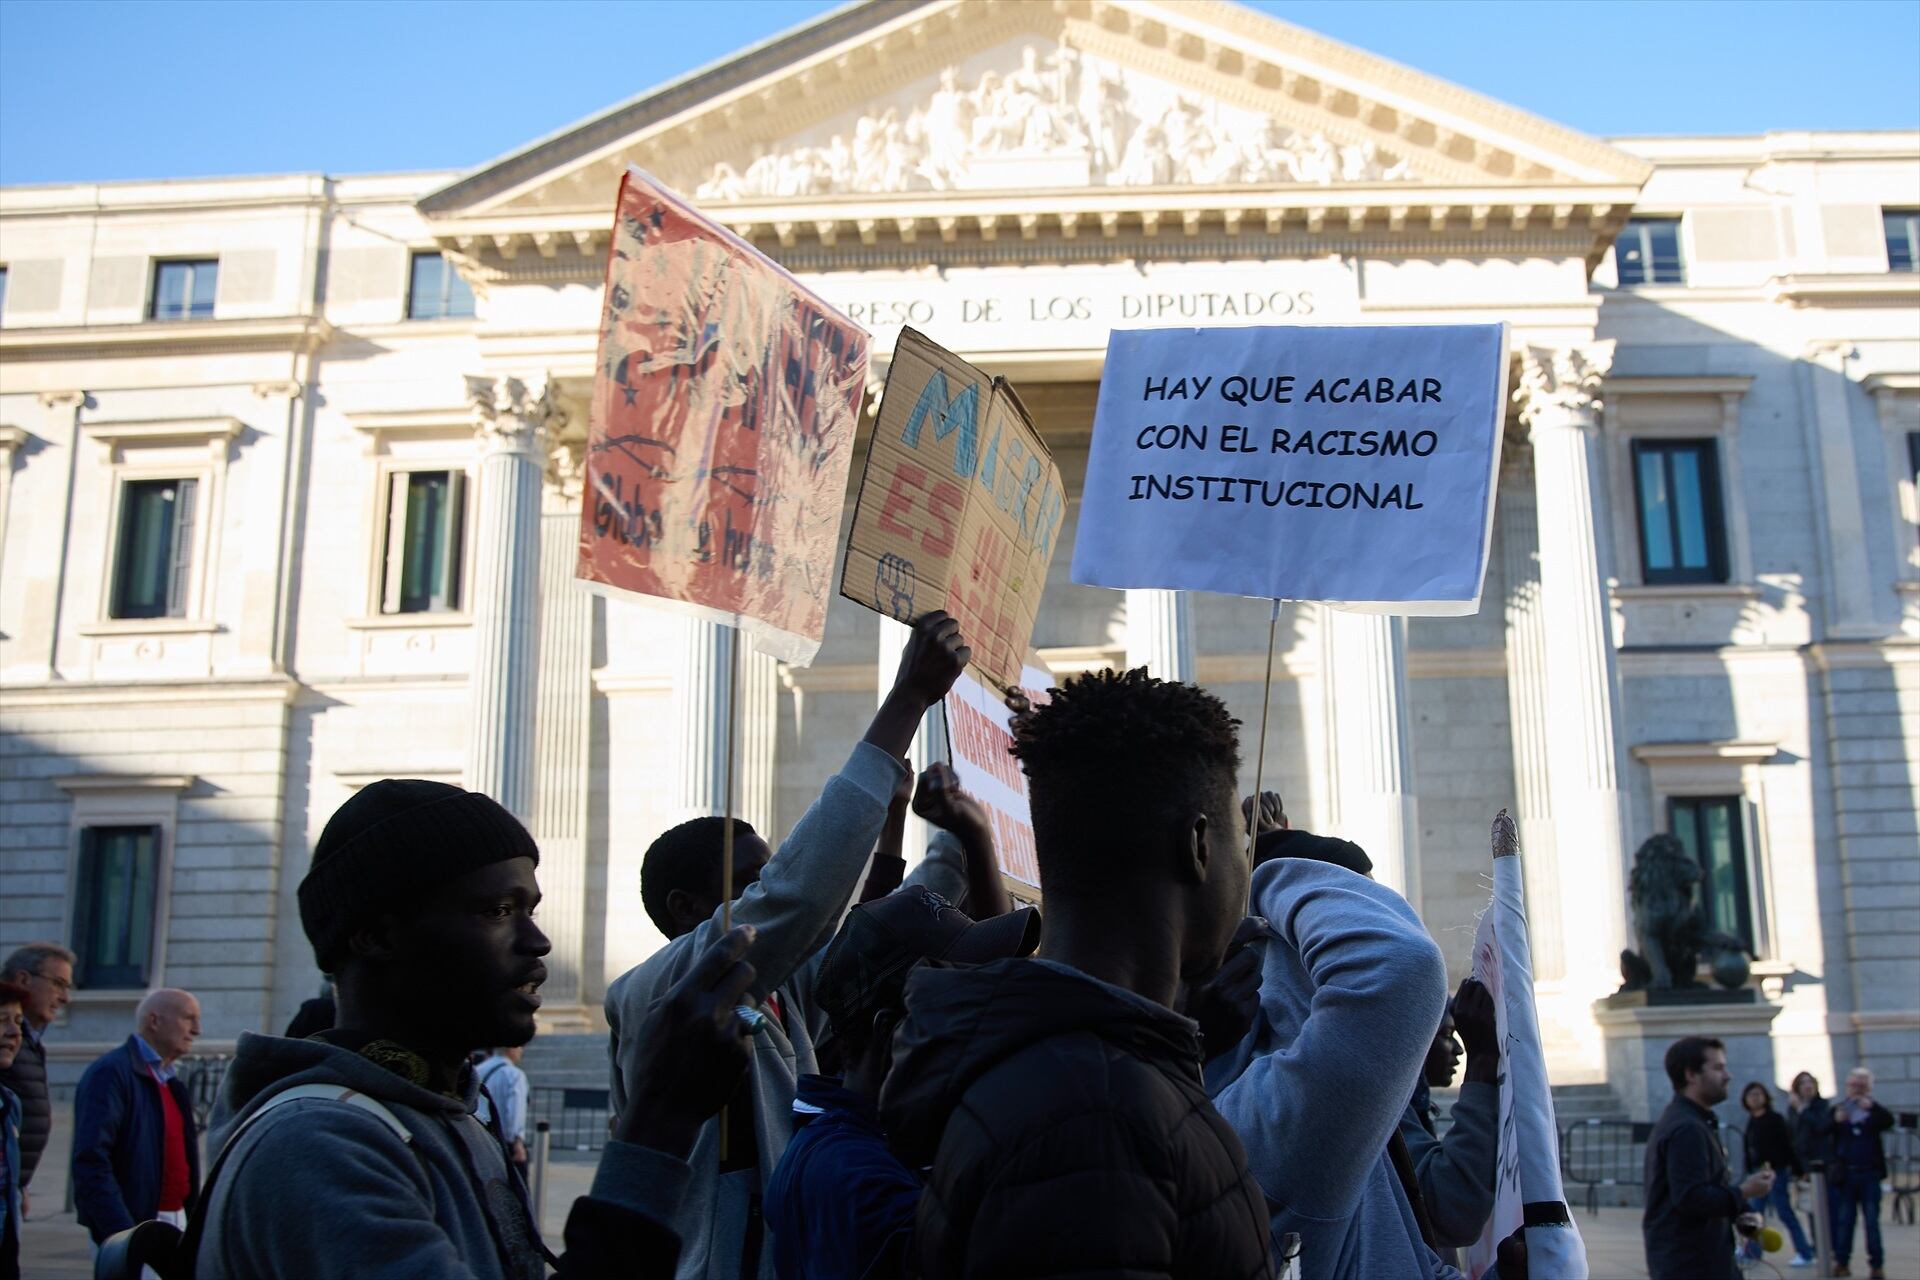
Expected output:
(1068, 119)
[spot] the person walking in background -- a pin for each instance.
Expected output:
(1769, 1145)
(44, 970)
(1690, 1209)
(1456, 1173)
(13, 1006)
(1859, 1167)
(503, 1100)
(136, 1151)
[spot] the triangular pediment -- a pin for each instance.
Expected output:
(894, 98)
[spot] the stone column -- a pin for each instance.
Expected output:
(701, 709)
(1160, 634)
(512, 422)
(1559, 404)
(1851, 588)
(1373, 795)
(1527, 714)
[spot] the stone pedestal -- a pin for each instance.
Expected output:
(1638, 1026)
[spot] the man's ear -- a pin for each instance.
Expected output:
(375, 941)
(684, 909)
(884, 1021)
(1193, 850)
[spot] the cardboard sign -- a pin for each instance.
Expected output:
(1345, 464)
(1527, 1185)
(725, 399)
(959, 507)
(978, 740)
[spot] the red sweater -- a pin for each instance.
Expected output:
(175, 1176)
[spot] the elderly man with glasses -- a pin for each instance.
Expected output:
(45, 971)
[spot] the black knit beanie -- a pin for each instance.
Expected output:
(392, 840)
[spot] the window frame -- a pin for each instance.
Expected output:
(1675, 409)
(193, 265)
(126, 800)
(449, 274)
(170, 449)
(3, 293)
(1896, 400)
(1712, 514)
(1641, 224)
(1736, 806)
(178, 595)
(1912, 219)
(394, 521)
(85, 933)
(1722, 770)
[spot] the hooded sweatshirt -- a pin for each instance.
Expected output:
(1351, 993)
(1068, 1130)
(795, 907)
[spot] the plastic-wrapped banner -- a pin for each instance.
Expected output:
(980, 738)
(1527, 1186)
(725, 399)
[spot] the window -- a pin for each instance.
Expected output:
(426, 516)
(115, 899)
(436, 291)
(1712, 830)
(184, 290)
(3, 293)
(153, 564)
(1648, 252)
(1682, 535)
(1903, 239)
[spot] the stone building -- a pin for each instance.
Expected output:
(291, 465)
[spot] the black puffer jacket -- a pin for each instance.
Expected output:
(27, 1077)
(1068, 1131)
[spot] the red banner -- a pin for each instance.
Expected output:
(725, 400)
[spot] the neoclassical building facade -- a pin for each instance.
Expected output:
(289, 493)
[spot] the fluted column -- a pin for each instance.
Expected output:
(512, 423)
(1160, 634)
(1374, 803)
(1559, 404)
(1527, 713)
(700, 710)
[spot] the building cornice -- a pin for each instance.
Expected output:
(1697, 752)
(1875, 289)
(299, 334)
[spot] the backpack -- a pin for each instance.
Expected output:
(174, 1254)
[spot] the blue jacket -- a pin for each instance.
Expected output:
(9, 1166)
(118, 1131)
(839, 1201)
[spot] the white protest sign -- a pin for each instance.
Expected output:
(979, 735)
(1353, 464)
(1527, 1186)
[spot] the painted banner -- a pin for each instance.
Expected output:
(979, 737)
(959, 507)
(1350, 464)
(725, 399)
(1527, 1186)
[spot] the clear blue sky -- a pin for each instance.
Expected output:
(93, 90)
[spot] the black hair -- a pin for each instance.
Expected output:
(1749, 1087)
(685, 857)
(1689, 1053)
(1111, 757)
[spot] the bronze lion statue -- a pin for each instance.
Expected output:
(1667, 921)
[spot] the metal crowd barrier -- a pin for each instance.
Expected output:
(1602, 1153)
(578, 1119)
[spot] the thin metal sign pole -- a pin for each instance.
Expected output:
(1260, 756)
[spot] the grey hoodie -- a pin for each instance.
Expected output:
(795, 906)
(1351, 993)
(1456, 1172)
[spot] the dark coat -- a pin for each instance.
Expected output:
(840, 1204)
(1769, 1144)
(1856, 1144)
(27, 1077)
(1688, 1223)
(1069, 1133)
(119, 1129)
(1813, 1131)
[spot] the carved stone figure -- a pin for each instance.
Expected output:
(1668, 922)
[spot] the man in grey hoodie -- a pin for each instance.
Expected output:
(1456, 1173)
(1350, 978)
(794, 900)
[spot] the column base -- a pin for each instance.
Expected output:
(1637, 1034)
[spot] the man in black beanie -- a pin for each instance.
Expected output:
(357, 1152)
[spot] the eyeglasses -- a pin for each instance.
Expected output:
(58, 984)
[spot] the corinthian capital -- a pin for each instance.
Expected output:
(1560, 386)
(510, 416)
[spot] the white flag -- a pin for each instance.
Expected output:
(1527, 1186)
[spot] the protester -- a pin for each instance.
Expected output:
(840, 1204)
(1812, 1120)
(1351, 992)
(356, 1152)
(13, 1005)
(1059, 1100)
(313, 1015)
(794, 900)
(1769, 1145)
(45, 971)
(1691, 1211)
(1456, 1173)
(136, 1148)
(503, 1100)
(1272, 815)
(1859, 1167)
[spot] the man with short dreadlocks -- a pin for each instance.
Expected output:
(1059, 1099)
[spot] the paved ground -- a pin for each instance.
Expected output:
(55, 1247)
